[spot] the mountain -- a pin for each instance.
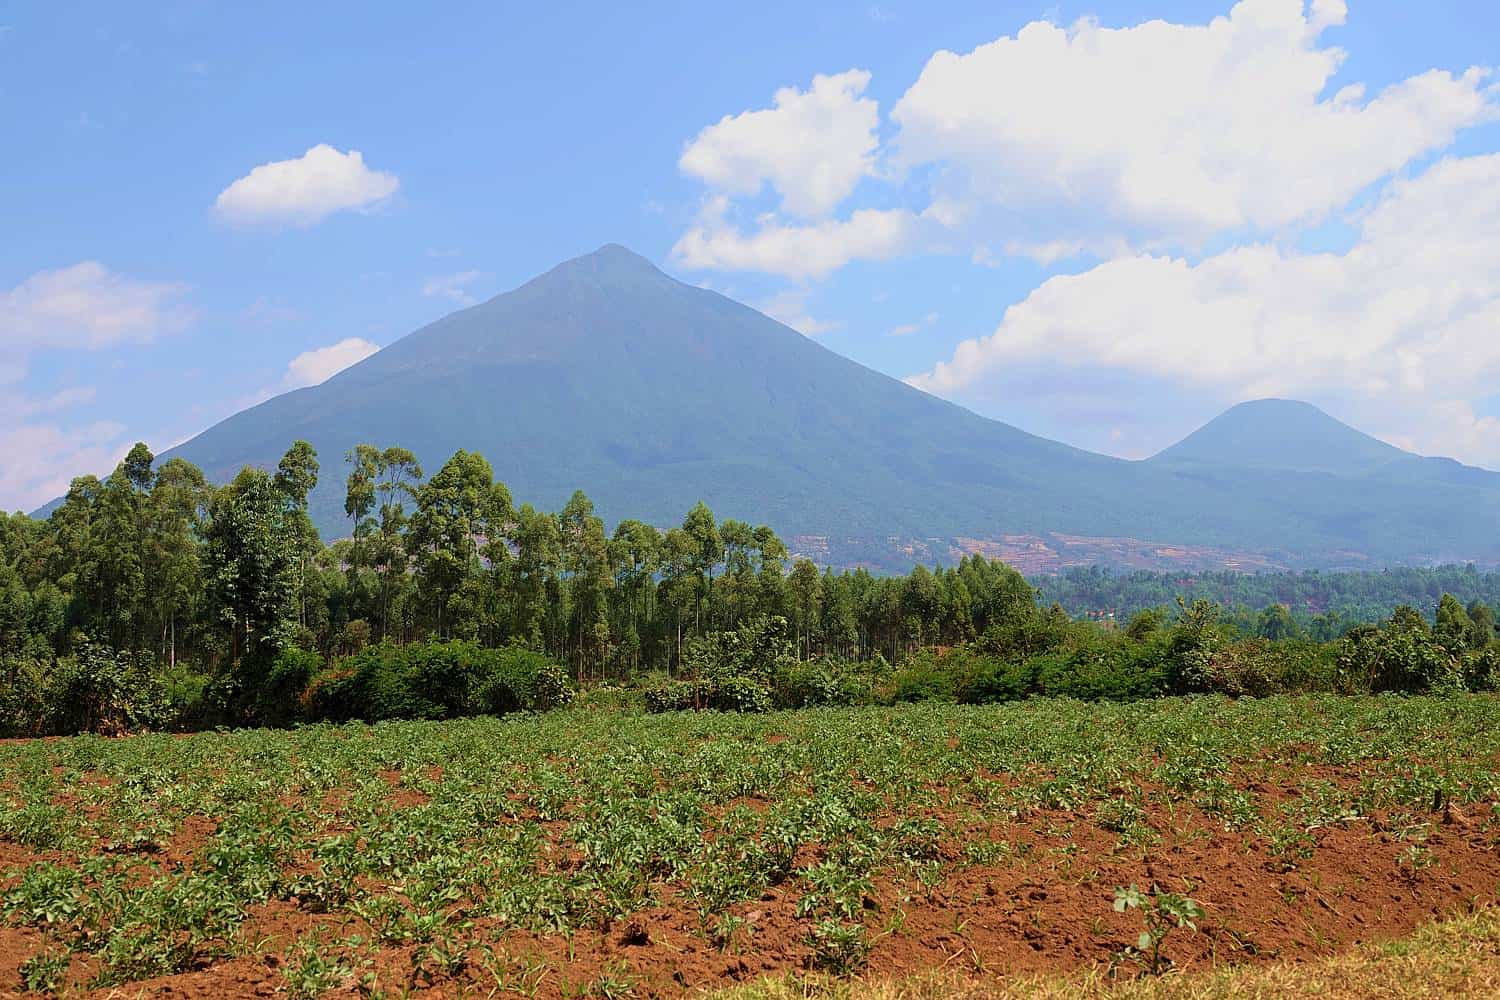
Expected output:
(1282, 434)
(608, 375)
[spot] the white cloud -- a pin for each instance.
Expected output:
(306, 190)
(88, 306)
(18, 406)
(454, 287)
(321, 364)
(813, 147)
(1399, 331)
(1060, 140)
(790, 307)
(40, 460)
(797, 251)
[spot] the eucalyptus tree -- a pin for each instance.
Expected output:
(457, 510)
(251, 563)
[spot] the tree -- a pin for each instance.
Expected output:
(457, 509)
(251, 561)
(538, 557)
(704, 549)
(359, 488)
(585, 560)
(635, 553)
(1275, 622)
(1481, 626)
(807, 588)
(398, 476)
(178, 501)
(1453, 627)
(296, 477)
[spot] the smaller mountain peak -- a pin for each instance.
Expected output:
(1282, 434)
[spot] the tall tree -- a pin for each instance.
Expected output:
(251, 560)
(458, 509)
(178, 501)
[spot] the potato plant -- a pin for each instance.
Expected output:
(467, 849)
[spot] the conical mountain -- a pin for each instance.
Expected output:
(649, 394)
(1283, 434)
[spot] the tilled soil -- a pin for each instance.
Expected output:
(1046, 912)
(1010, 886)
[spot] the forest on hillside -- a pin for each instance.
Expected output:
(151, 597)
(1322, 604)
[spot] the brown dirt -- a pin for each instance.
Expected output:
(1046, 910)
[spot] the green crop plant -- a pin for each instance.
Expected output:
(1161, 912)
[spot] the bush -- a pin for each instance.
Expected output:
(997, 680)
(521, 679)
(831, 681)
(924, 677)
(278, 699)
(96, 690)
(737, 668)
(1481, 669)
(23, 694)
(1103, 667)
(1400, 655)
(676, 696)
(437, 680)
(1258, 668)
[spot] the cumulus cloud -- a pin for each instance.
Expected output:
(812, 147)
(454, 287)
(1400, 329)
(305, 190)
(1083, 138)
(810, 250)
(321, 364)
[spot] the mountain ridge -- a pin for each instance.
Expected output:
(608, 375)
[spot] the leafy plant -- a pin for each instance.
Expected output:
(1161, 913)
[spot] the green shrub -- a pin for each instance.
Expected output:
(521, 679)
(96, 690)
(676, 695)
(998, 680)
(831, 681)
(1259, 668)
(923, 677)
(1102, 671)
(1399, 655)
(1481, 669)
(437, 680)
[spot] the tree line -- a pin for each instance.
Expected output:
(152, 597)
(1318, 604)
(154, 561)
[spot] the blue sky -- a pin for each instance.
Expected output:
(1097, 228)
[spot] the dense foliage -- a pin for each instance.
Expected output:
(153, 599)
(1320, 603)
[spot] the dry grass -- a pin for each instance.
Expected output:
(1459, 957)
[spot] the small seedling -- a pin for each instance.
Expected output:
(1161, 911)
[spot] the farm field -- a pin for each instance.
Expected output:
(589, 853)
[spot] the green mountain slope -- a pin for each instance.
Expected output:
(605, 374)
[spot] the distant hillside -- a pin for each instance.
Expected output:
(605, 374)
